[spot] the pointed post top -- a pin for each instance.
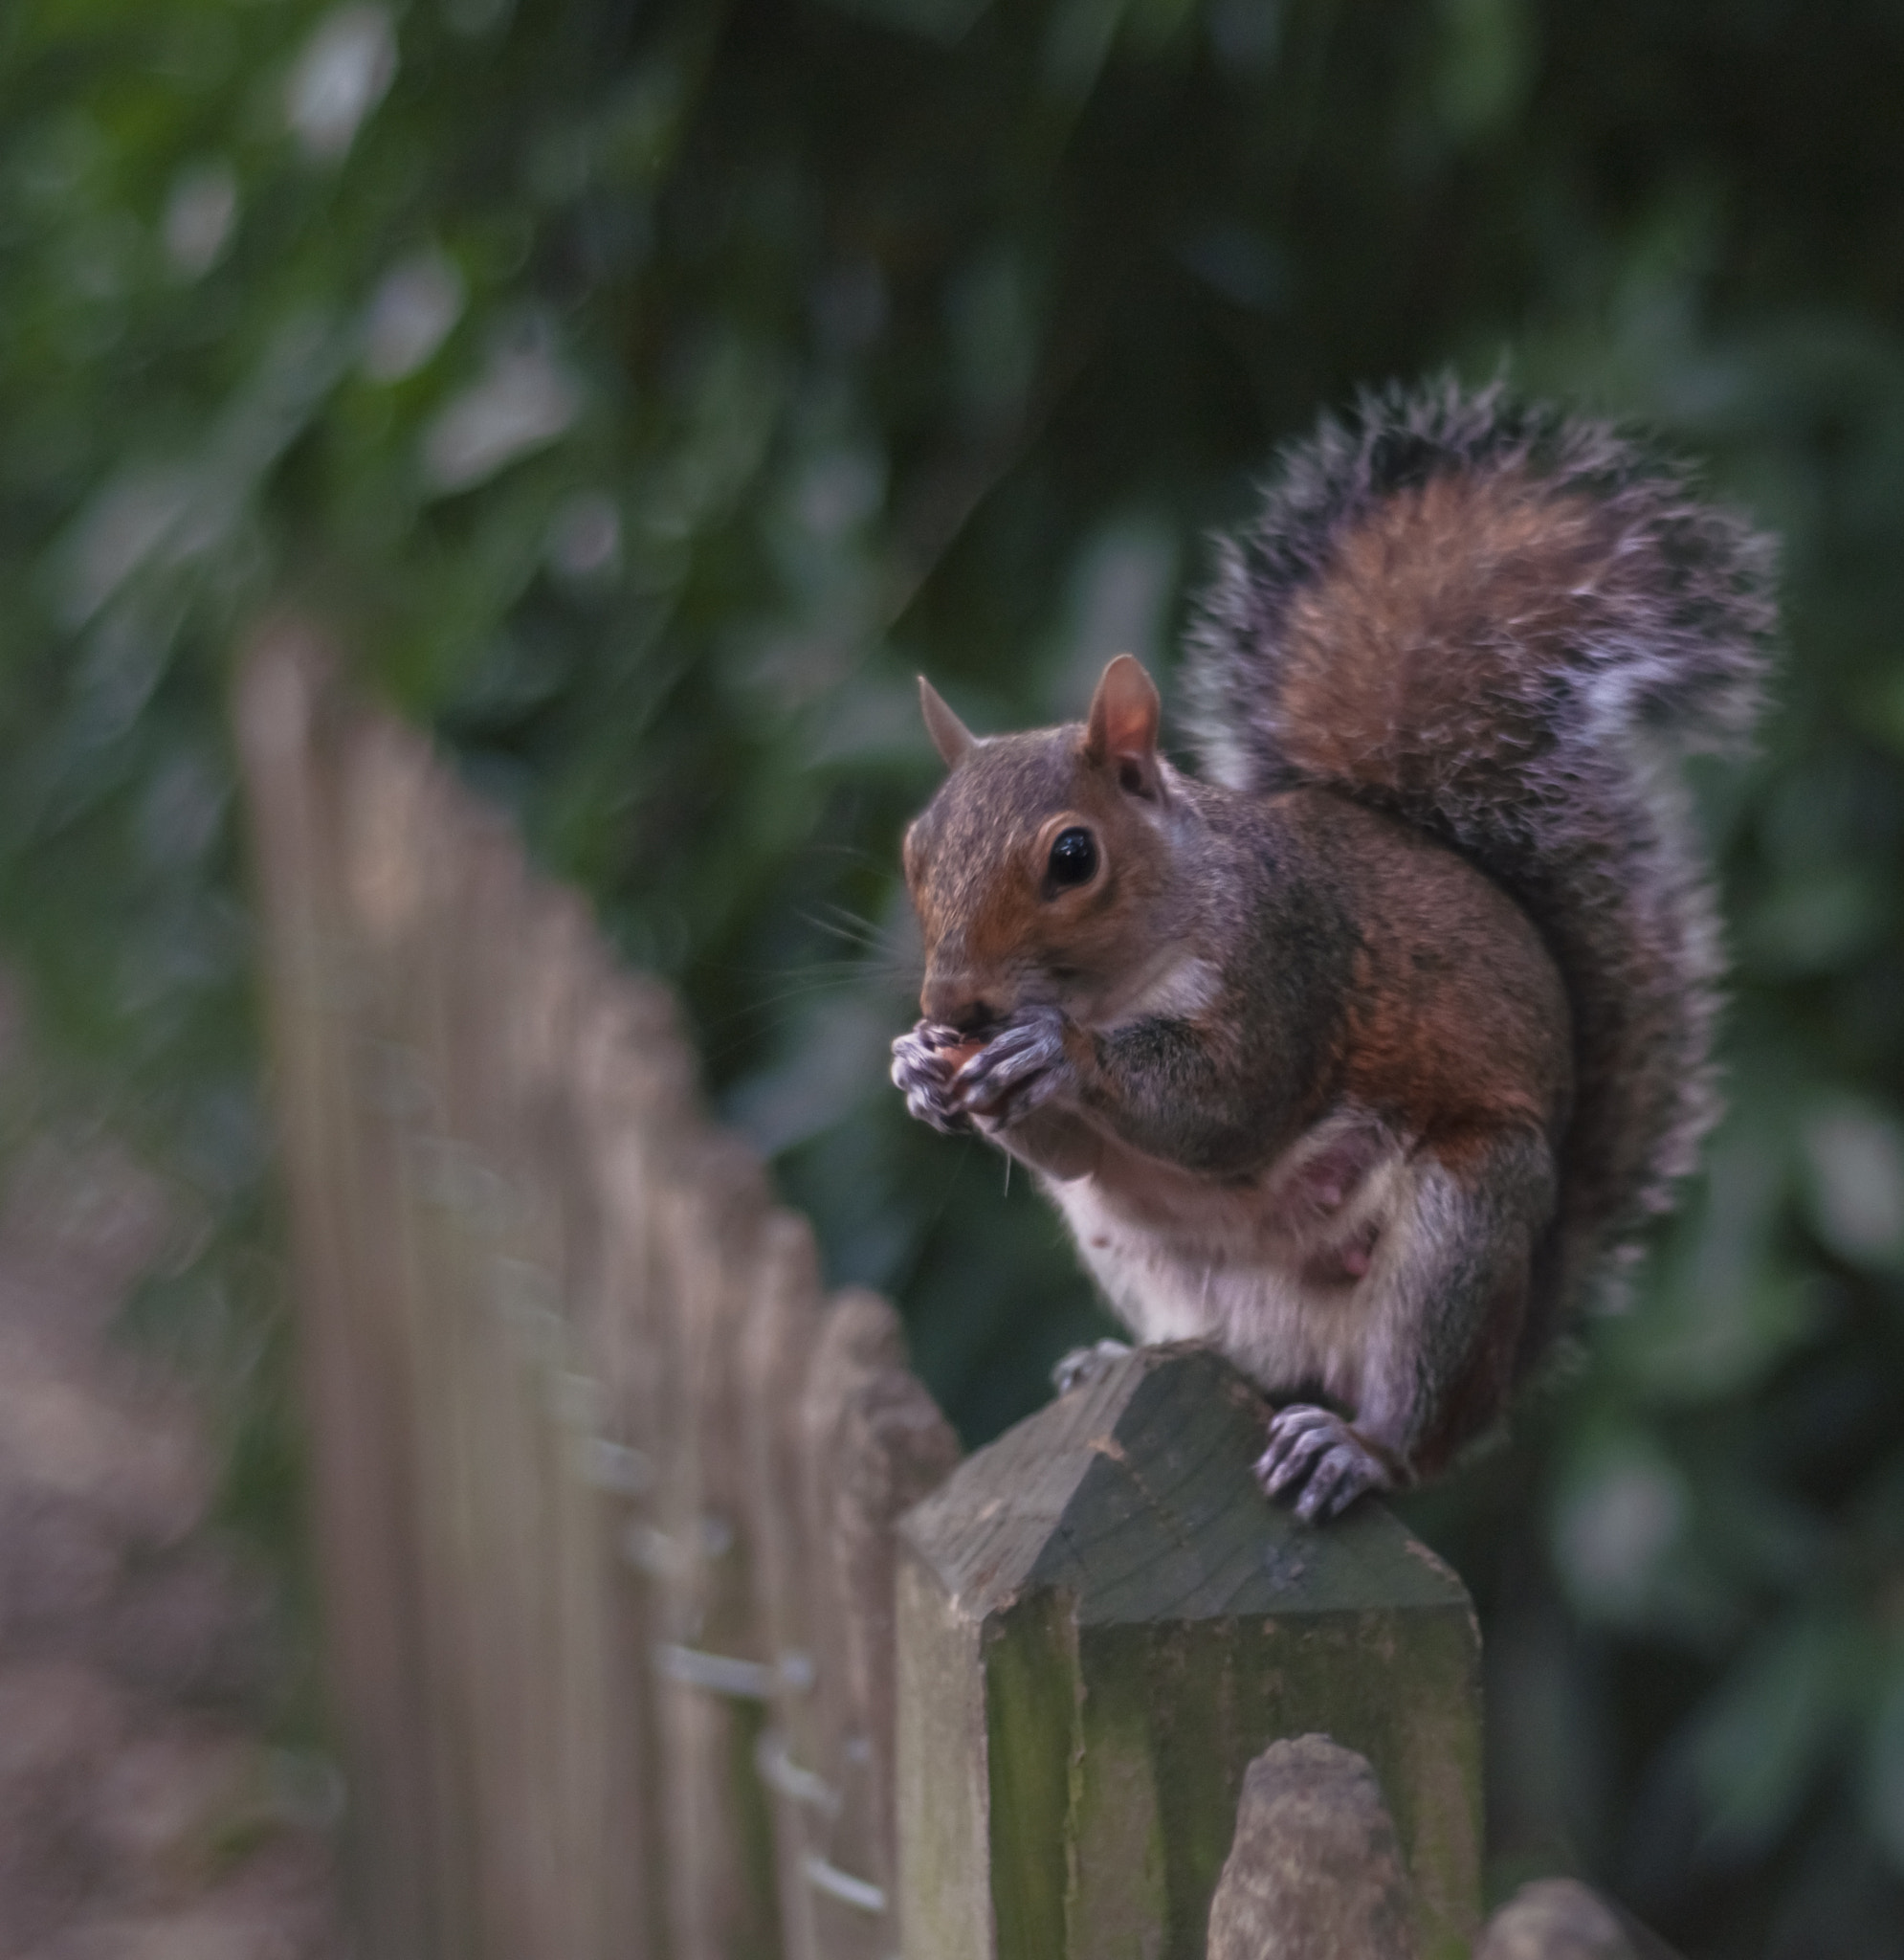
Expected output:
(1134, 1495)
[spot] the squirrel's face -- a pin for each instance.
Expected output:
(1040, 860)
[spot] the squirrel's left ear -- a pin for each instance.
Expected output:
(1122, 730)
(951, 736)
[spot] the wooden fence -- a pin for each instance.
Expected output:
(631, 1656)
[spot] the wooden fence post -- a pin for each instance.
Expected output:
(1101, 1621)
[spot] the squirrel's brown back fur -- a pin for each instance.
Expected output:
(1504, 627)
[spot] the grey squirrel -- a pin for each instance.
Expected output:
(1365, 1056)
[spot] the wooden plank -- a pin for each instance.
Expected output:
(781, 1331)
(629, 1086)
(394, 821)
(641, 1121)
(893, 1448)
(860, 1341)
(550, 1000)
(353, 1381)
(1107, 1585)
(711, 1661)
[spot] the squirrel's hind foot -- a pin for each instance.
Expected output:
(1087, 1364)
(1317, 1463)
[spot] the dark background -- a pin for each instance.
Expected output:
(648, 391)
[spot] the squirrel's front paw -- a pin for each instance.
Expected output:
(923, 1064)
(1317, 1462)
(1016, 1070)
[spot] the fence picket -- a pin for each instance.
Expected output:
(860, 1341)
(711, 1658)
(778, 1337)
(894, 1447)
(351, 1386)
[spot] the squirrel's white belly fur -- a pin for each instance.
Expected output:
(1285, 1272)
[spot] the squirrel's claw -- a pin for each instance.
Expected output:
(1016, 1070)
(1297, 1436)
(922, 1071)
(1339, 1476)
(1317, 1461)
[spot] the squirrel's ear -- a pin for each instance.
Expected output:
(951, 736)
(1122, 730)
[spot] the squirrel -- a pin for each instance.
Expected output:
(1365, 1055)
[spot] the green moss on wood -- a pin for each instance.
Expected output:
(1031, 1664)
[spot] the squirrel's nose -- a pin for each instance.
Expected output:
(954, 1001)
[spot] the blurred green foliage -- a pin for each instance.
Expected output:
(648, 392)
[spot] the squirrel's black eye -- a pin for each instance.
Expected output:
(1073, 857)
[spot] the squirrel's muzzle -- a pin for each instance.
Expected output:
(956, 1001)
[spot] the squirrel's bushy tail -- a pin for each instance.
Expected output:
(1506, 626)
